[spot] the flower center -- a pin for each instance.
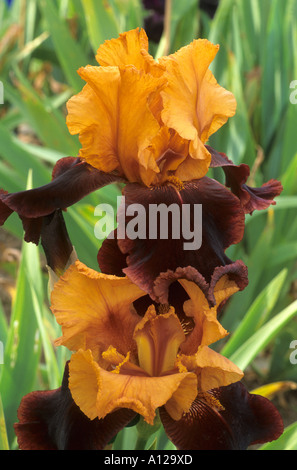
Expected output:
(158, 338)
(175, 182)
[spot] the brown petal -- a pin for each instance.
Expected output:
(236, 177)
(50, 420)
(5, 211)
(236, 272)
(72, 180)
(55, 242)
(222, 225)
(246, 419)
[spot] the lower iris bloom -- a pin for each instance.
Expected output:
(128, 361)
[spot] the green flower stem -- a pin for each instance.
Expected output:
(145, 431)
(140, 443)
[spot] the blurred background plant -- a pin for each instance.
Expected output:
(42, 44)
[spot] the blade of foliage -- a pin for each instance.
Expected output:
(48, 123)
(100, 20)
(256, 314)
(272, 389)
(287, 441)
(69, 52)
(245, 354)
(22, 339)
(3, 433)
(257, 264)
(22, 336)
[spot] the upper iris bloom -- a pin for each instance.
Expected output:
(146, 124)
(129, 360)
(148, 121)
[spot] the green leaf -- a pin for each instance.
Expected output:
(42, 153)
(82, 236)
(129, 13)
(257, 265)
(245, 354)
(3, 433)
(101, 21)
(179, 34)
(184, 23)
(69, 52)
(274, 72)
(3, 329)
(283, 254)
(48, 123)
(23, 348)
(153, 445)
(272, 389)
(21, 159)
(22, 352)
(287, 441)
(52, 369)
(256, 315)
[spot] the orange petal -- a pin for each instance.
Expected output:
(113, 137)
(215, 370)
(130, 48)
(91, 115)
(224, 288)
(217, 105)
(112, 356)
(168, 150)
(140, 393)
(94, 310)
(84, 382)
(207, 329)
(189, 169)
(194, 104)
(182, 399)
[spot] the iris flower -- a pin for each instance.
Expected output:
(146, 123)
(128, 361)
(177, 101)
(141, 331)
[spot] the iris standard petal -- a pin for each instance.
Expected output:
(130, 48)
(193, 102)
(111, 136)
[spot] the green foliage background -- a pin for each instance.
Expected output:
(42, 44)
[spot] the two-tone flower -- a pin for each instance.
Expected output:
(141, 331)
(146, 123)
(129, 360)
